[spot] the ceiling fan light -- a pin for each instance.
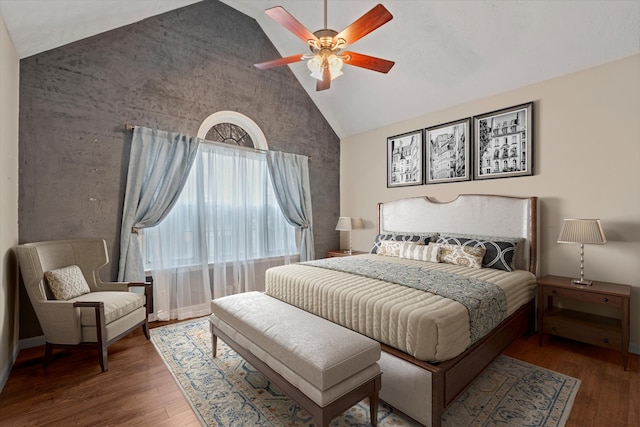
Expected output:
(315, 65)
(335, 66)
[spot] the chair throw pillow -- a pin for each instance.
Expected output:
(67, 282)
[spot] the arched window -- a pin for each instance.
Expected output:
(231, 127)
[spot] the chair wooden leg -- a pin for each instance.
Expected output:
(147, 306)
(48, 354)
(102, 355)
(145, 329)
(101, 336)
(214, 345)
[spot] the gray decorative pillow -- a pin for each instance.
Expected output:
(67, 282)
(499, 251)
(417, 238)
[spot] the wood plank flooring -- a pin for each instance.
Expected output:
(138, 390)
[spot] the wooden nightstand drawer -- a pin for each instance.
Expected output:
(596, 330)
(579, 295)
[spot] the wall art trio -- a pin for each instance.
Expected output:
(498, 144)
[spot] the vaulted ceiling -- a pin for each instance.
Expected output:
(447, 52)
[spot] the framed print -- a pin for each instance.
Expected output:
(503, 143)
(404, 159)
(447, 150)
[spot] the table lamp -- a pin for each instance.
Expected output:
(583, 231)
(347, 223)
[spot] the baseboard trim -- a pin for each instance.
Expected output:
(32, 342)
(634, 348)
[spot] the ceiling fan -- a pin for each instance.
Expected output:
(326, 58)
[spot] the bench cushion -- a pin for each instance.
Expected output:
(320, 351)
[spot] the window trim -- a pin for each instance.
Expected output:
(238, 119)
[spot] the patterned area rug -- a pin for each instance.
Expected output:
(228, 392)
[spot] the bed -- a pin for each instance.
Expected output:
(436, 337)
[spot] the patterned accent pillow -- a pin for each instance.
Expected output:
(410, 250)
(499, 254)
(466, 256)
(67, 282)
(390, 248)
(419, 238)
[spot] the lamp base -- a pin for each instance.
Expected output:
(582, 282)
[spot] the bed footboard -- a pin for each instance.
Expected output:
(423, 391)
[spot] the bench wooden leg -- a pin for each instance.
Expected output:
(373, 408)
(373, 402)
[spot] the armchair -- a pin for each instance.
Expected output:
(102, 314)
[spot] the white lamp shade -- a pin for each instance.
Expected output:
(347, 223)
(586, 231)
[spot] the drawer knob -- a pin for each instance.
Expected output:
(554, 329)
(606, 340)
(553, 291)
(605, 299)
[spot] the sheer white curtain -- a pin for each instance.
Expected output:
(225, 229)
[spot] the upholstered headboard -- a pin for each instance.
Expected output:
(477, 214)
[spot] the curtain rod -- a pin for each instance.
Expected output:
(129, 127)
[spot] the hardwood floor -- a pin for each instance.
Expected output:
(608, 395)
(138, 390)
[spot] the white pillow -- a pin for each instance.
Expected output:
(410, 250)
(67, 282)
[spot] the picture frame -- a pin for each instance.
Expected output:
(447, 149)
(503, 143)
(405, 159)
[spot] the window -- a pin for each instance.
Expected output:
(227, 210)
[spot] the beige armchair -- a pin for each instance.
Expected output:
(103, 313)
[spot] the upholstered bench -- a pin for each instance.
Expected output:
(324, 367)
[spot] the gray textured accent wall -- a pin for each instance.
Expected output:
(169, 72)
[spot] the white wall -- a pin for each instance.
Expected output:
(9, 78)
(587, 165)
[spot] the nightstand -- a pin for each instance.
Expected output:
(582, 326)
(340, 252)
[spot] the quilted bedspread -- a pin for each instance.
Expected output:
(426, 325)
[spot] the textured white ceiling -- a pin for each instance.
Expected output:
(447, 52)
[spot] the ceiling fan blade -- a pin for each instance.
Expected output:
(369, 62)
(325, 83)
(278, 62)
(368, 22)
(287, 20)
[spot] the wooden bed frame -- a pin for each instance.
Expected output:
(487, 215)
